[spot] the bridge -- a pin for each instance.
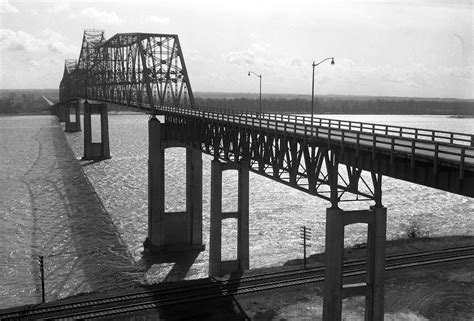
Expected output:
(336, 160)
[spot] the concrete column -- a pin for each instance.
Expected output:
(218, 267)
(87, 131)
(215, 233)
(243, 209)
(156, 185)
(334, 251)
(104, 123)
(194, 195)
(377, 247)
(61, 112)
(370, 265)
(67, 107)
(101, 150)
(78, 116)
(177, 231)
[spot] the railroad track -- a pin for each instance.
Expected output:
(207, 289)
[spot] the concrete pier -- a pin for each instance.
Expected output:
(96, 150)
(216, 265)
(176, 231)
(73, 126)
(373, 288)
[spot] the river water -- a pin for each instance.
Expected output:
(276, 211)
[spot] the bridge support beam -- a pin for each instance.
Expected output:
(373, 288)
(96, 151)
(178, 231)
(218, 267)
(72, 127)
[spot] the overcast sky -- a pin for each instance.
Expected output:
(417, 48)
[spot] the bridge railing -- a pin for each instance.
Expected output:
(387, 130)
(410, 148)
(372, 128)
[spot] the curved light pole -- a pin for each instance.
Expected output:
(260, 100)
(312, 91)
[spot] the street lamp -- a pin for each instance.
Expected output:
(312, 92)
(260, 101)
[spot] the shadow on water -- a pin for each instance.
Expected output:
(103, 256)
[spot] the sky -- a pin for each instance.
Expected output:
(409, 48)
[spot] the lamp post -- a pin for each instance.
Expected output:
(312, 91)
(260, 100)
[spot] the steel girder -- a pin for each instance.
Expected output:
(309, 166)
(134, 69)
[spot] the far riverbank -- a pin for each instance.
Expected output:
(14, 101)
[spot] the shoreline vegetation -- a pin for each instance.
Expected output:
(30, 101)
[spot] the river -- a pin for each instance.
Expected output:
(276, 211)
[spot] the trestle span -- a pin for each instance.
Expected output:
(294, 161)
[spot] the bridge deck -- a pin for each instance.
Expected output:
(436, 150)
(435, 163)
(439, 155)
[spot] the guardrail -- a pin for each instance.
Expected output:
(411, 148)
(387, 130)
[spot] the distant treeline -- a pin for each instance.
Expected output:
(26, 101)
(31, 101)
(346, 105)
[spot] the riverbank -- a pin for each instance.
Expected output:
(436, 292)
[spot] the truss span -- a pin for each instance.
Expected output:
(134, 69)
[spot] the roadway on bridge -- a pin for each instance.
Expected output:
(402, 146)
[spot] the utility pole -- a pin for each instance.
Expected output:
(42, 277)
(305, 234)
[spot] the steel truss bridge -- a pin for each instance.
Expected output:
(148, 71)
(331, 159)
